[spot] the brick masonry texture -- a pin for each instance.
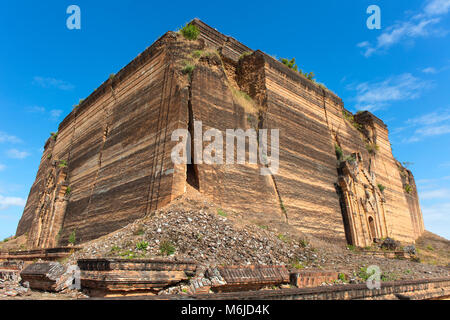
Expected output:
(110, 162)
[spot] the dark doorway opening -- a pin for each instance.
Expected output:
(372, 228)
(191, 168)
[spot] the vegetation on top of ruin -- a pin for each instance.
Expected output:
(289, 63)
(62, 164)
(244, 100)
(143, 245)
(192, 60)
(338, 151)
(283, 208)
(351, 158)
(222, 213)
(245, 54)
(190, 32)
(167, 248)
(372, 148)
(292, 65)
(408, 188)
(73, 237)
(381, 187)
(351, 118)
(296, 264)
(188, 68)
(407, 164)
(68, 191)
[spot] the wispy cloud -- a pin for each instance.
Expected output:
(2, 167)
(6, 202)
(437, 7)
(6, 138)
(435, 194)
(428, 125)
(52, 83)
(438, 212)
(53, 114)
(17, 154)
(35, 109)
(430, 70)
(376, 95)
(423, 24)
(437, 218)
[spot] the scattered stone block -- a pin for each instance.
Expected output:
(243, 278)
(390, 244)
(47, 276)
(10, 270)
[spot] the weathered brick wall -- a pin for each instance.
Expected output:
(307, 173)
(117, 146)
(230, 185)
(35, 191)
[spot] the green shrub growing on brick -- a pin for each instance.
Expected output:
(190, 32)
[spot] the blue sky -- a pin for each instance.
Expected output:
(400, 72)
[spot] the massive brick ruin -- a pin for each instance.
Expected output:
(110, 162)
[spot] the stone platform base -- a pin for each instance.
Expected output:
(396, 290)
(50, 254)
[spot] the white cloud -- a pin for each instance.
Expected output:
(35, 109)
(2, 167)
(437, 7)
(430, 118)
(435, 194)
(429, 70)
(432, 124)
(420, 25)
(437, 218)
(52, 83)
(376, 95)
(17, 154)
(6, 202)
(8, 138)
(434, 131)
(55, 114)
(437, 212)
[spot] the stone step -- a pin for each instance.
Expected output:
(158, 264)
(120, 277)
(50, 254)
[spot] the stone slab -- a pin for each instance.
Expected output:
(120, 277)
(237, 278)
